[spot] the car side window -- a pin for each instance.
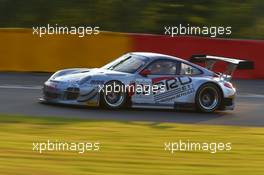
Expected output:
(163, 67)
(189, 70)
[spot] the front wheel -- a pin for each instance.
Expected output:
(113, 96)
(208, 98)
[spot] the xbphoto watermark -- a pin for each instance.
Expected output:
(58, 146)
(80, 31)
(188, 146)
(212, 31)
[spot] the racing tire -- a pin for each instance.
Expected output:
(113, 99)
(208, 98)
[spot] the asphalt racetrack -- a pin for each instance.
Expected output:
(19, 93)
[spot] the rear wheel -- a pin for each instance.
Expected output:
(208, 98)
(113, 96)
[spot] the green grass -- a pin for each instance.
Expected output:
(126, 148)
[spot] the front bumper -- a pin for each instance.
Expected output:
(70, 96)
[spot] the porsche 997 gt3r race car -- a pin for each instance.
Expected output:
(148, 80)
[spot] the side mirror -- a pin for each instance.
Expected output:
(145, 72)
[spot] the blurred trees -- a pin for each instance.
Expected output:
(246, 17)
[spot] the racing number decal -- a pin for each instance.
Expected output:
(175, 87)
(167, 89)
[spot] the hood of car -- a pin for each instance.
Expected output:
(81, 75)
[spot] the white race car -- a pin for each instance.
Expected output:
(147, 80)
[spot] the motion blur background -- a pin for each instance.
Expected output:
(125, 22)
(149, 16)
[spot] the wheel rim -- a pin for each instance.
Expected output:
(208, 98)
(114, 99)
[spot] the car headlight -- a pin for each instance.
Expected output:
(61, 73)
(57, 74)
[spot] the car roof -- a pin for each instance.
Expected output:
(154, 56)
(157, 56)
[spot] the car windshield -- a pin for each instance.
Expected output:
(127, 63)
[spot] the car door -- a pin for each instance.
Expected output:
(188, 77)
(161, 79)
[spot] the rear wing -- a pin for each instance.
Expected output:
(233, 63)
